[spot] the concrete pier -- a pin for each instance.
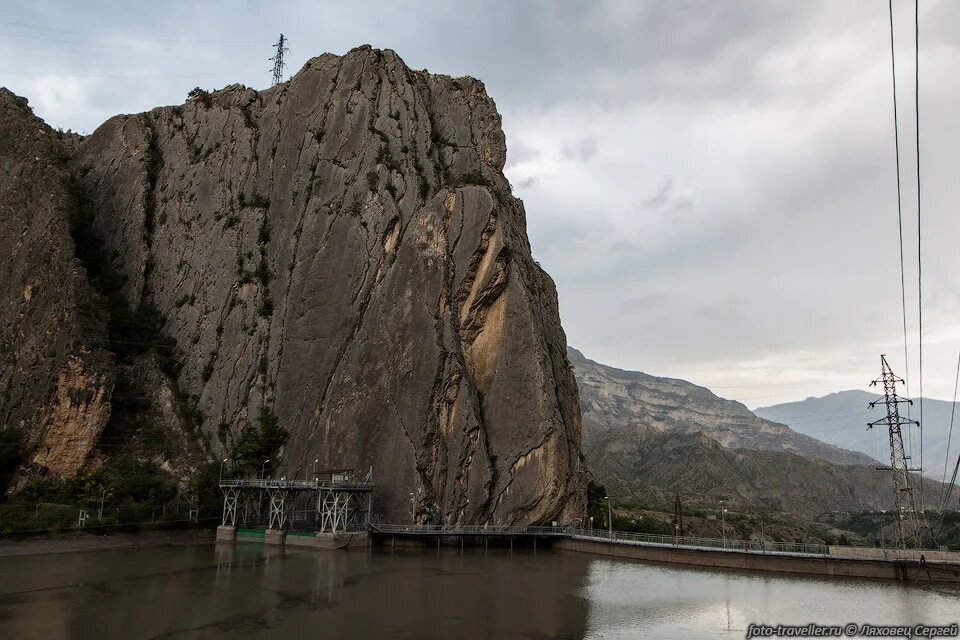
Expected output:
(226, 533)
(348, 540)
(284, 538)
(274, 537)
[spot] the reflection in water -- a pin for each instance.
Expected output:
(247, 591)
(629, 600)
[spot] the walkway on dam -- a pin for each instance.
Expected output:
(597, 535)
(654, 541)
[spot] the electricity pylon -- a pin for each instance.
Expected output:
(906, 521)
(277, 59)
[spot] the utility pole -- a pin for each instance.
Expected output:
(677, 516)
(723, 524)
(277, 59)
(904, 507)
(609, 518)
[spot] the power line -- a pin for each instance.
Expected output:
(896, 142)
(54, 74)
(946, 461)
(134, 41)
(916, 64)
(953, 480)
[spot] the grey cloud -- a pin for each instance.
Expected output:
(581, 150)
(518, 152)
(772, 114)
(644, 304)
(660, 198)
(526, 183)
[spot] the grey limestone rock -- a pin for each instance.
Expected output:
(343, 249)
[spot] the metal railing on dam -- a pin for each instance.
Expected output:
(432, 530)
(691, 542)
(603, 535)
(346, 484)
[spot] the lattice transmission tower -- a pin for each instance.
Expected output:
(277, 59)
(906, 520)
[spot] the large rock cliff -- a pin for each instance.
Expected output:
(343, 251)
(55, 377)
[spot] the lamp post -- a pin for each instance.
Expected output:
(315, 468)
(263, 467)
(413, 507)
(223, 462)
(723, 523)
(609, 517)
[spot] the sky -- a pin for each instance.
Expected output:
(712, 185)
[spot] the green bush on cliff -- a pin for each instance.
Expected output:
(472, 177)
(200, 95)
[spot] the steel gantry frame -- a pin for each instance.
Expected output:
(230, 497)
(278, 506)
(336, 504)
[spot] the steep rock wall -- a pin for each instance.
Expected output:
(343, 248)
(56, 379)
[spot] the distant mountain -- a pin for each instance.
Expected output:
(645, 437)
(616, 398)
(647, 465)
(841, 418)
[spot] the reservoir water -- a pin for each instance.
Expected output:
(247, 591)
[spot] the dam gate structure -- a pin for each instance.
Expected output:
(331, 510)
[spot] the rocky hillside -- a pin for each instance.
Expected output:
(651, 466)
(56, 378)
(613, 398)
(646, 437)
(340, 258)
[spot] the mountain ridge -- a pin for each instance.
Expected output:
(647, 437)
(672, 404)
(841, 418)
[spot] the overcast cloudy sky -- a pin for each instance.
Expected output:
(711, 184)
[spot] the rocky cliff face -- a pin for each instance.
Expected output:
(343, 251)
(55, 377)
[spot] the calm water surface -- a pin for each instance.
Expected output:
(248, 592)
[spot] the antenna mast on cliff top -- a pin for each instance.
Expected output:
(278, 63)
(905, 511)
